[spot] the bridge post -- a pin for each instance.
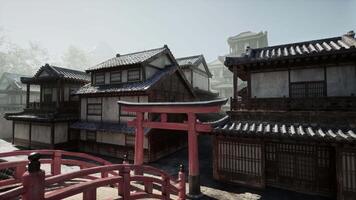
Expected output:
(56, 163)
(33, 180)
(124, 186)
(181, 179)
(194, 179)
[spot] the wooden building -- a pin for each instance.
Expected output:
(296, 128)
(13, 93)
(45, 123)
(198, 74)
(146, 76)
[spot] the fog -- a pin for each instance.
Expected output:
(81, 33)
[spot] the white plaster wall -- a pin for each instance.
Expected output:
(41, 133)
(150, 71)
(111, 138)
(22, 131)
(110, 109)
(161, 62)
(188, 75)
(312, 74)
(60, 133)
(201, 67)
(270, 84)
(200, 81)
(341, 80)
(124, 75)
(83, 109)
(107, 77)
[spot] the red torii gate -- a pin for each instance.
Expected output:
(192, 126)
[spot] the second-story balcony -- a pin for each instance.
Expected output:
(296, 104)
(64, 107)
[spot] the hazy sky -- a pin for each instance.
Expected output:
(187, 27)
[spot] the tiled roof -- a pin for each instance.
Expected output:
(291, 130)
(191, 60)
(129, 59)
(308, 48)
(126, 87)
(40, 117)
(109, 127)
(64, 73)
(72, 74)
(15, 80)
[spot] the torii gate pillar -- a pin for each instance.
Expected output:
(193, 155)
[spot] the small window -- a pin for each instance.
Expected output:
(133, 75)
(307, 89)
(115, 77)
(94, 109)
(91, 136)
(99, 78)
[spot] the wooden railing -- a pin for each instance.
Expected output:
(34, 183)
(70, 106)
(297, 104)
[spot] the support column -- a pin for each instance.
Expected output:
(194, 179)
(139, 137)
(28, 95)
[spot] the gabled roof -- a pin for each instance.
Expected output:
(52, 72)
(193, 61)
(127, 87)
(322, 47)
(14, 80)
(129, 59)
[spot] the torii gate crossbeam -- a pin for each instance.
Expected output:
(192, 126)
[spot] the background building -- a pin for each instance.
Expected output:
(222, 78)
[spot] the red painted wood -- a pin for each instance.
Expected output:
(164, 117)
(56, 163)
(34, 186)
(139, 138)
(172, 109)
(193, 146)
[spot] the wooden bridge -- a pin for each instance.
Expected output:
(131, 181)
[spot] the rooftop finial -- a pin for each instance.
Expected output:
(350, 34)
(165, 46)
(46, 65)
(117, 55)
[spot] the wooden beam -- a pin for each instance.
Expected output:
(172, 126)
(172, 109)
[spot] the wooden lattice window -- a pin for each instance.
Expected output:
(133, 75)
(91, 136)
(348, 163)
(307, 89)
(115, 77)
(94, 109)
(99, 78)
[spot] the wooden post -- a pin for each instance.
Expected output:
(28, 96)
(181, 178)
(13, 132)
(124, 188)
(33, 180)
(235, 82)
(194, 180)
(139, 137)
(58, 93)
(56, 163)
(89, 194)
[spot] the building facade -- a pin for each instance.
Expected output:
(295, 129)
(13, 93)
(198, 75)
(45, 123)
(222, 78)
(147, 76)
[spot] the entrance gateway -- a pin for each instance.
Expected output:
(191, 125)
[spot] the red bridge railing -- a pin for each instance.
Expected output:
(132, 181)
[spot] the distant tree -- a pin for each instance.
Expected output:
(76, 58)
(16, 59)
